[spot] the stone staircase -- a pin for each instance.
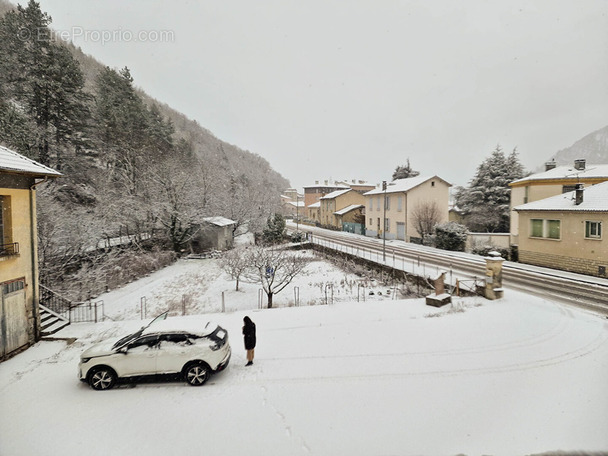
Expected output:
(51, 322)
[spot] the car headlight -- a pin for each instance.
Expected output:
(214, 347)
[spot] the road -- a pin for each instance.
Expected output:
(575, 289)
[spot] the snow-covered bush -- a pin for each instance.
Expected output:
(485, 249)
(451, 236)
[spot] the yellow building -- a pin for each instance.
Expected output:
(567, 231)
(398, 204)
(334, 202)
(555, 180)
(19, 315)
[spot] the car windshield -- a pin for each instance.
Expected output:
(138, 333)
(128, 338)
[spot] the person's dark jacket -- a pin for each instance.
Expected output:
(249, 334)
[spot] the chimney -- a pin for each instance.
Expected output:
(578, 193)
(550, 165)
(580, 164)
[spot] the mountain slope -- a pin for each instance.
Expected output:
(593, 148)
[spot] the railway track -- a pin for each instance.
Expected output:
(574, 289)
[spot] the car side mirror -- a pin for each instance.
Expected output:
(123, 350)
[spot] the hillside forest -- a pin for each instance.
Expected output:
(131, 165)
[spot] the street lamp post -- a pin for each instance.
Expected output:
(384, 225)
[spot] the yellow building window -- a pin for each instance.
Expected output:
(7, 246)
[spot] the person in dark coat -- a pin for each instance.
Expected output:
(249, 336)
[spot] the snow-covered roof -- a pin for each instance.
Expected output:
(294, 204)
(219, 221)
(315, 205)
(335, 194)
(12, 162)
(595, 199)
(403, 185)
(568, 172)
(347, 209)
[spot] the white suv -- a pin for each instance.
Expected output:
(164, 347)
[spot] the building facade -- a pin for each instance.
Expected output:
(555, 180)
(334, 202)
(567, 231)
(391, 213)
(19, 288)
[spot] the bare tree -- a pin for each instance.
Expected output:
(274, 269)
(425, 216)
(174, 202)
(235, 262)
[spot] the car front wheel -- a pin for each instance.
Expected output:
(102, 378)
(196, 374)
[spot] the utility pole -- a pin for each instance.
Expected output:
(384, 225)
(297, 212)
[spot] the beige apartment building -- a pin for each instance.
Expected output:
(555, 180)
(567, 231)
(398, 203)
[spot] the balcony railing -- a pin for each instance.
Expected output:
(9, 249)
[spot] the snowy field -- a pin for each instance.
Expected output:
(382, 377)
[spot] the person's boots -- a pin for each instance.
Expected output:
(249, 363)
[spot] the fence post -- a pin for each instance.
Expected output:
(296, 296)
(223, 303)
(142, 307)
(183, 305)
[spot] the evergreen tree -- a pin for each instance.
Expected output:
(486, 202)
(160, 132)
(123, 129)
(275, 229)
(405, 171)
(40, 77)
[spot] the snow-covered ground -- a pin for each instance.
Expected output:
(519, 375)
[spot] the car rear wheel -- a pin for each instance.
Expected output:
(196, 374)
(102, 378)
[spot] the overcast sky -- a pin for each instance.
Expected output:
(351, 89)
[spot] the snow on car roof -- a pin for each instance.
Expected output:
(197, 327)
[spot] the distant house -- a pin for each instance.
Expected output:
(292, 204)
(567, 231)
(334, 202)
(214, 233)
(292, 209)
(555, 180)
(314, 193)
(313, 212)
(19, 288)
(351, 217)
(399, 204)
